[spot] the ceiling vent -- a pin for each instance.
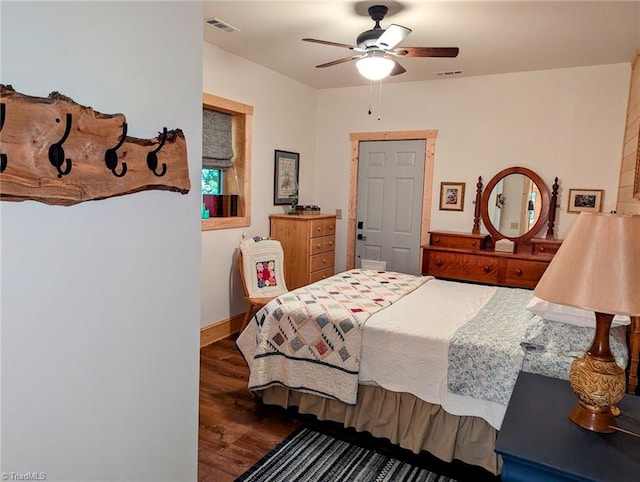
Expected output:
(449, 73)
(222, 26)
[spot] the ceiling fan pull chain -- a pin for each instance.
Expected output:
(370, 94)
(379, 98)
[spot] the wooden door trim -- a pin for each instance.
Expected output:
(356, 137)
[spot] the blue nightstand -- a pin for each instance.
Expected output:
(538, 442)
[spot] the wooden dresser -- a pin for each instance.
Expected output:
(470, 257)
(308, 241)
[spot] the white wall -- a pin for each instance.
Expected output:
(100, 301)
(285, 119)
(567, 123)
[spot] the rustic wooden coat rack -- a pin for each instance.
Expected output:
(55, 151)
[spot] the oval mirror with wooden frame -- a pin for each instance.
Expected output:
(515, 204)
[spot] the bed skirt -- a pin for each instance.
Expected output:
(405, 420)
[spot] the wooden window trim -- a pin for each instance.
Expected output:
(241, 127)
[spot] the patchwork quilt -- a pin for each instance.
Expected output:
(310, 339)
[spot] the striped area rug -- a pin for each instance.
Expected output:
(307, 455)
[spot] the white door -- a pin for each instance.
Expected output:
(389, 204)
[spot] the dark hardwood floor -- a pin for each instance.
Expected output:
(236, 430)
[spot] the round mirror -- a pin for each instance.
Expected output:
(515, 204)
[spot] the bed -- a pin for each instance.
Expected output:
(428, 364)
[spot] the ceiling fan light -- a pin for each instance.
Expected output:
(375, 68)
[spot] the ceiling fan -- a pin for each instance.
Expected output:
(377, 50)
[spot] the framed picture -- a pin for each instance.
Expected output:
(285, 181)
(589, 200)
(451, 196)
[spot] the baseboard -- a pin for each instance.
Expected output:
(223, 329)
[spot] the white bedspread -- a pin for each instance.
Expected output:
(414, 359)
(405, 346)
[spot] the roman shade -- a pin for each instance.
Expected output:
(217, 141)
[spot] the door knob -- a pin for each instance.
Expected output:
(361, 237)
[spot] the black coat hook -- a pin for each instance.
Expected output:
(111, 156)
(3, 157)
(152, 157)
(56, 151)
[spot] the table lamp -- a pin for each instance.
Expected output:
(597, 268)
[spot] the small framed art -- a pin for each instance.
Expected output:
(589, 200)
(452, 196)
(285, 182)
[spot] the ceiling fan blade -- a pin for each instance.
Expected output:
(325, 42)
(397, 69)
(339, 61)
(427, 51)
(392, 36)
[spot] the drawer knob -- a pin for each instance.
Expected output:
(518, 272)
(330, 243)
(436, 240)
(487, 268)
(473, 243)
(541, 248)
(439, 263)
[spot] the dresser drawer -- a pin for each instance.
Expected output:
(545, 247)
(322, 244)
(320, 274)
(321, 261)
(442, 239)
(524, 274)
(463, 266)
(323, 227)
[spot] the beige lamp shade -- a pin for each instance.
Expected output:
(597, 266)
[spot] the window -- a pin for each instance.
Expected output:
(233, 177)
(211, 180)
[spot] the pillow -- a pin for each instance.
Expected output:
(263, 267)
(266, 273)
(569, 314)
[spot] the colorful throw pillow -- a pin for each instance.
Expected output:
(266, 273)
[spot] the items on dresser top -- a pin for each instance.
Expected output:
(307, 209)
(505, 246)
(308, 241)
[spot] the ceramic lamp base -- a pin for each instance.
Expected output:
(594, 420)
(599, 386)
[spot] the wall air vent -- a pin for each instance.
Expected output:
(222, 26)
(449, 73)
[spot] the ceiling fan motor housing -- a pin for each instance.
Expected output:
(369, 38)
